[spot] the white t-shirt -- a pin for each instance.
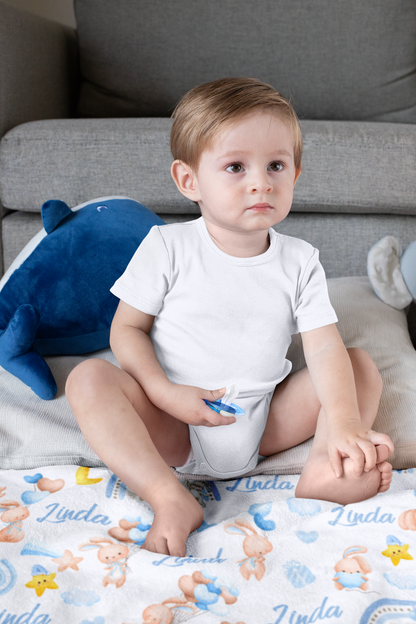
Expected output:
(221, 319)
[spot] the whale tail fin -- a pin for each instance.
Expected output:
(18, 356)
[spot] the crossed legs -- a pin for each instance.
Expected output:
(138, 442)
(296, 414)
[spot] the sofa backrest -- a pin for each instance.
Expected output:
(335, 59)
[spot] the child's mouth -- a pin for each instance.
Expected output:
(261, 207)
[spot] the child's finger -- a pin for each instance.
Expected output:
(336, 463)
(358, 458)
(215, 419)
(381, 438)
(214, 395)
(370, 454)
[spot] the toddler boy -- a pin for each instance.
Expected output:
(214, 301)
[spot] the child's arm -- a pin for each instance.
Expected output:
(135, 354)
(333, 379)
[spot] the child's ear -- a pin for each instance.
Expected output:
(297, 174)
(185, 179)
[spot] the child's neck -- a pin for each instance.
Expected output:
(239, 245)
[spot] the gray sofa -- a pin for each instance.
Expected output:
(85, 114)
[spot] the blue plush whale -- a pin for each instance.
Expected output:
(55, 298)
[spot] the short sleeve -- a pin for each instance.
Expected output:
(313, 307)
(145, 281)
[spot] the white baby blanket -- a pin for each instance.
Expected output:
(70, 553)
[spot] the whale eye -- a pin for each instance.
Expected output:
(100, 208)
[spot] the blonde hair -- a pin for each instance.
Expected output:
(208, 108)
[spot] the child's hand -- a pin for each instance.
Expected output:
(352, 439)
(186, 403)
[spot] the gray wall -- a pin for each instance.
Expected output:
(57, 10)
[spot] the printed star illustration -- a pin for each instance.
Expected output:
(41, 580)
(396, 550)
(67, 561)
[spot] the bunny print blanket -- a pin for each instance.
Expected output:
(70, 552)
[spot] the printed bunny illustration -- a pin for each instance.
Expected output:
(13, 517)
(157, 614)
(132, 530)
(201, 593)
(113, 555)
(255, 547)
(351, 571)
(121, 533)
(163, 614)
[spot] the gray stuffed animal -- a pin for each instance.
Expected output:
(392, 273)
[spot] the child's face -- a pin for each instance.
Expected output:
(245, 180)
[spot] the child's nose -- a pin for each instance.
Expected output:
(260, 183)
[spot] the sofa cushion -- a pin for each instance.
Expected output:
(335, 59)
(347, 166)
(39, 433)
(343, 240)
(78, 159)
(38, 67)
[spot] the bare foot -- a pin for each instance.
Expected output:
(383, 452)
(386, 471)
(318, 480)
(177, 514)
(386, 474)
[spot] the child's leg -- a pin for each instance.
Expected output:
(138, 442)
(296, 414)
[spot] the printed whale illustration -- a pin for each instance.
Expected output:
(55, 297)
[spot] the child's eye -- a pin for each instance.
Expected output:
(235, 168)
(276, 166)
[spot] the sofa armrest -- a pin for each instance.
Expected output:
(38, 68)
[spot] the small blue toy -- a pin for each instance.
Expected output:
(392, 273)
(224, 406)
(55, 298)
